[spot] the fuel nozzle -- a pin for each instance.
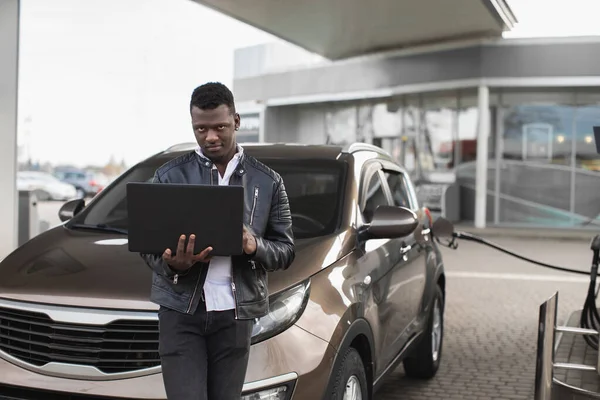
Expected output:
(595, 245)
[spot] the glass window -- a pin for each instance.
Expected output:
(587, 166)
(399, 189)
(437, 130)
(247, 138)
(314, 192)
(374, 197)
(387, 119)
(340, 125)
(535, 179)
(392, 145)
(410, 150)
(464, 149)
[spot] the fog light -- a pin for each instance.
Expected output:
(278, 393)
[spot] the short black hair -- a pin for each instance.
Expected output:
(212, 95)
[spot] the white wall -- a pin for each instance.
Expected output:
(281, 124)
(311, 125)
(295, 124)
(9, 52)
(272, 57)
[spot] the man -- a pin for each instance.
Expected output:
(208, 304)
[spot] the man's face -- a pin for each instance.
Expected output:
(215, 131)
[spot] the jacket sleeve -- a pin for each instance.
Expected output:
(155, 261)
(276, 250)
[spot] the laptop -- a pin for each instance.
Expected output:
(159, 213)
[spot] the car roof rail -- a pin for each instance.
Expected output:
(360, 146)
(182, 146)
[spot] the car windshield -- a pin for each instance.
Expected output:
(314, 190)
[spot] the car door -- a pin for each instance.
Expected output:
(378, 264)
(409, 273)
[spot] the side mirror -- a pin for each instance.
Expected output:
(391, 222)
(70, 209)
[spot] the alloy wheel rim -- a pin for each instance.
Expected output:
(353, 390)
(436, 331)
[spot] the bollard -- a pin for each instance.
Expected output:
(545, 360)
(544, 372)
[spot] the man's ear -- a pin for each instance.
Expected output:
(237, 120)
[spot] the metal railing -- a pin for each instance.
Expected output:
(546, 386)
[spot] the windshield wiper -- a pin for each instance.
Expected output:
(99, 227)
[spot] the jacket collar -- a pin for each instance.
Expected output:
(207, 163)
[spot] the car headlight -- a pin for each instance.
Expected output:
(277, 393)
(285, 308)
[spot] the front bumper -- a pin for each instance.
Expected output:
(275, 388)
(292, 359)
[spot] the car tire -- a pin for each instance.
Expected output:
(424, 361)
(350, 379)
(80, 193)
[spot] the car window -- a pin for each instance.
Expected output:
(374, 197)
(315, 192)
(401, 195)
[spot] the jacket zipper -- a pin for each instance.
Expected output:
(175, 278)
(193, 295)
(234, 297)
(254, 205)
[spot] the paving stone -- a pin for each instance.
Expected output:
(490, 335)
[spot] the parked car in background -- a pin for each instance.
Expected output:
(45, 186)
(365, 292)
(87, 183)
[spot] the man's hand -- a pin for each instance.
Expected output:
(249, 244)
(184, 259)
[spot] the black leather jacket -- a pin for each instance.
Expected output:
(267, 215)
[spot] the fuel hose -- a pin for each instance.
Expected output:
(590, 318)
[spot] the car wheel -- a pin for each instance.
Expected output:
(424, 361)
(350, 379)
(80, 193)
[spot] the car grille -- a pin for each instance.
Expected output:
(119, 347)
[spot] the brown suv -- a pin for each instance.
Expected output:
(365, 291)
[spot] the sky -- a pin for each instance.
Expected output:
(113, 77)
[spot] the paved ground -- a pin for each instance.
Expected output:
(491, 317)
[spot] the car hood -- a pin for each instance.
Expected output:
(96, 269)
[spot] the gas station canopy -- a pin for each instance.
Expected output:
(339, 29)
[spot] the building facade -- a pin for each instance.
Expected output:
(533, 102)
